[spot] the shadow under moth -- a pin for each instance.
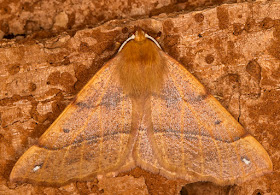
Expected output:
(143, 108)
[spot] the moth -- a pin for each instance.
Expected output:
(143, 108)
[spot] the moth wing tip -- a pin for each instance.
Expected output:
(15, 179)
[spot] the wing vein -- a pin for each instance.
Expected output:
(92, 112)
(182, 137)
(81, 160)
(101, 141)
(122, 131)
(200, 140)
(208, 129)
(82, 128)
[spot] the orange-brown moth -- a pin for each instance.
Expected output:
(144, 109)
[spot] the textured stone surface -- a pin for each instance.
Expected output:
(19, 17)
(232, 49)
(126, 185)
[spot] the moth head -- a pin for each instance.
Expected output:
(139, 36)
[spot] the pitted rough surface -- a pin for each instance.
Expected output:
(20, 17)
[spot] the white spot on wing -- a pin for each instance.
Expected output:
(36, 168)
(245, 160)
